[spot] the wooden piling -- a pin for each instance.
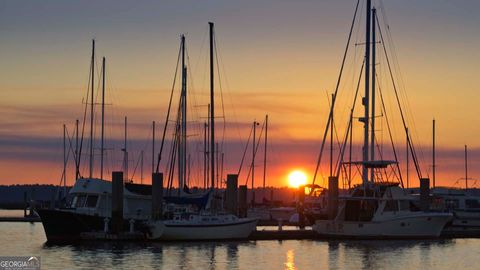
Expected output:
(242, 201)
(301, 207)
(424, 194)
(231, 202)
(332, 197)
(117, 202)
(157, 196)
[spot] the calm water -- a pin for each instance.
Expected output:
(24, 239)
(27, 239)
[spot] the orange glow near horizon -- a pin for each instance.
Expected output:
(273, 61)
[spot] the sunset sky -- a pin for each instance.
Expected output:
(279, 58)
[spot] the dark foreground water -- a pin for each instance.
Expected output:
(28, 239)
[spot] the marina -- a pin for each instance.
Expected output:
(295, 141)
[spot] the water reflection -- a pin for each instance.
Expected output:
(379, 254)
(290, 263)
(26, 239)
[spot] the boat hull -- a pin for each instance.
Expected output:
(416, 226)
(67, 226)
(169, 231)
(63, 226)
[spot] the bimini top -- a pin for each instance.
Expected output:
(373, 163)
(199, 201)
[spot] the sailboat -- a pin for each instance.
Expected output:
(207, 222)
(377, 208)
(90, 206)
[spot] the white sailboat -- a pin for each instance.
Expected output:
(188, 223)
(377, 208)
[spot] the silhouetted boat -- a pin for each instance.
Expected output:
(379, 207)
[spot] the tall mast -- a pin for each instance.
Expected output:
(64, 159)
(331, 136)
(265, 155)
(433, 152)
(205, 154)
(366, 99)
(466, 169)
(218, 166)
(212, 110)
(90, 175)
(253, 161)
(102, 149)
(125, 152)
(141, 167)
(77, 158)
(153, 146)
(407, 152)
(372, 105)
(182, 146)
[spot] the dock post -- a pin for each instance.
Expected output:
(157, 196)
(117, 202)
(332, 197)
(25, 204)
(52, 199)
(424, 194)
(231, 194)
(301, 207)
(242, 201)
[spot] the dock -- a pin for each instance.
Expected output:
(259, 235)
(20, 219)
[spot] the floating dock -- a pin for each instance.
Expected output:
(20, 219)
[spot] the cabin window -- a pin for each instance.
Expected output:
(81, 200)
(360, 210)
(472, 203)
(391, 206)
(452, 204)
(92, 201)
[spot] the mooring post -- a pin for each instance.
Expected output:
(301, 207)
(25, 204)
(424, 194)
(332, 197)
(231, 204)
(117, 202)
(157, 196)
(242, 201)
(52, 199)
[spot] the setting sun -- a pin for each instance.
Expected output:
(297, 178)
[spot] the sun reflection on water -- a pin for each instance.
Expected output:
(290, 263)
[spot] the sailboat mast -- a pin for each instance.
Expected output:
(182, 147)
(408, 160)
(77, 158)
(372, 105)
(90, 175)
(466, 169)
(205, 154)
(331, 135)
(366, 99)
(265, 154)
(212, 110)
(153, 146)
(102, 149)
(141, 167)
(253, 153)
(64, 159)
(125, 152)
(433, 152)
